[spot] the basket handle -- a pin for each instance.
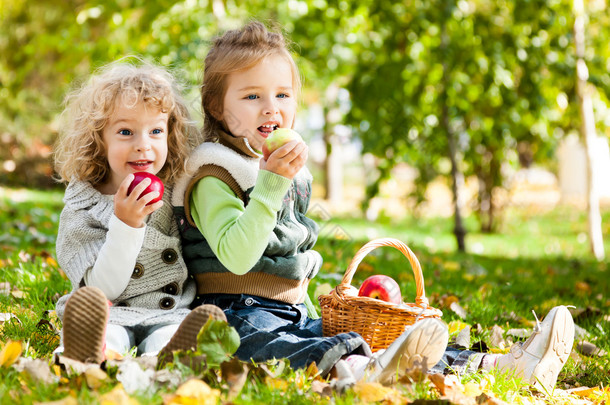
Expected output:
(420, 298)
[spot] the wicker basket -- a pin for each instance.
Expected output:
(378, 322)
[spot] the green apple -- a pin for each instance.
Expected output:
(278, 138)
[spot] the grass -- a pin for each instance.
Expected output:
(539, 260)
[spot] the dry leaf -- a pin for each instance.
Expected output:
(235, 373)
(18, 294)
(372, 391)
(459, 310)
(133, 378)
(589, 349)
(37, 370)
(322, 388)
(117, 396)
(95, 377)
(10, 353)
(195, 392)
(496, 338)
(276, 383)
(463, 338)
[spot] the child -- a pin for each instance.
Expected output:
(242, 218)
(113, 245)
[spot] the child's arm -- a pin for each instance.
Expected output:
(116, 259)
(238, 235)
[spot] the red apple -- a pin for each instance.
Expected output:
(278, 138)
(155, 185)
(382, 288)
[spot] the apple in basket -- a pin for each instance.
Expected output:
(155, 185)
(278, 138)
(382, 288)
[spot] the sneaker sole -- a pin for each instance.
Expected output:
(545, 374)
(185, 337)
(423, 348)
(84, 325)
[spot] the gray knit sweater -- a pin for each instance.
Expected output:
(159, 290)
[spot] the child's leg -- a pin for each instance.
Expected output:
(119, 339)
(421, 345)
(180, 337)
(542, 356)
(84, 325)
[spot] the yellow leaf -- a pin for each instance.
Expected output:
(18, 294)
(10, 353)
(451, 266)
(51, 261)
(95, 377)
(276, 383)
(371, 391)
(194, 392)
(472, 389)
(456, 326)
(117, 396)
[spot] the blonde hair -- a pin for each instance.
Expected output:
(234, 51)
(80, 152)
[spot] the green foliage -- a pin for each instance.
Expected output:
(217, 341)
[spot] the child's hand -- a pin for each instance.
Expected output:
(128, 208)
(287, 160)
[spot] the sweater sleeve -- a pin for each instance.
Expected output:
(116, 259)
(238, 235)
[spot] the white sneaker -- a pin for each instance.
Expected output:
(421, 345)
(541, 357)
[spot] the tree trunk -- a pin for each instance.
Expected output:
(457, 178)
(587, 130)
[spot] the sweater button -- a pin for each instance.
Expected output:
(169, 256)
(167, 303)
(138, 271)
(171, 289)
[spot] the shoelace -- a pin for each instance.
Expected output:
(538, 327)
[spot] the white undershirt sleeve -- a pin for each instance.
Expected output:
(117, 258)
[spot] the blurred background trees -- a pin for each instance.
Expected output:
(455, 89)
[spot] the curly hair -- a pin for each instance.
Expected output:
(80, 152)
(234, 51)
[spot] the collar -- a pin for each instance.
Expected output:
(238, 144)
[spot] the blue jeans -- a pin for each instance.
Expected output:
(272, 329)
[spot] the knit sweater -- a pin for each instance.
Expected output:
(259, 243)
(159, 290)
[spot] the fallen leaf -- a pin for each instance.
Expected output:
(95, 377)
(133, 378)
(18, 294)
(194, 392)
(589, 349)
(456, 326)
(322, 388)
(371, 391)
(276, 383)
(463, 338)
(497, 339)
(458, 310)
(37, 370)
(235, 373)
(10, 353)
(117, 396)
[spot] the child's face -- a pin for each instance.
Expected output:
(136, 141)
(259, 100)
